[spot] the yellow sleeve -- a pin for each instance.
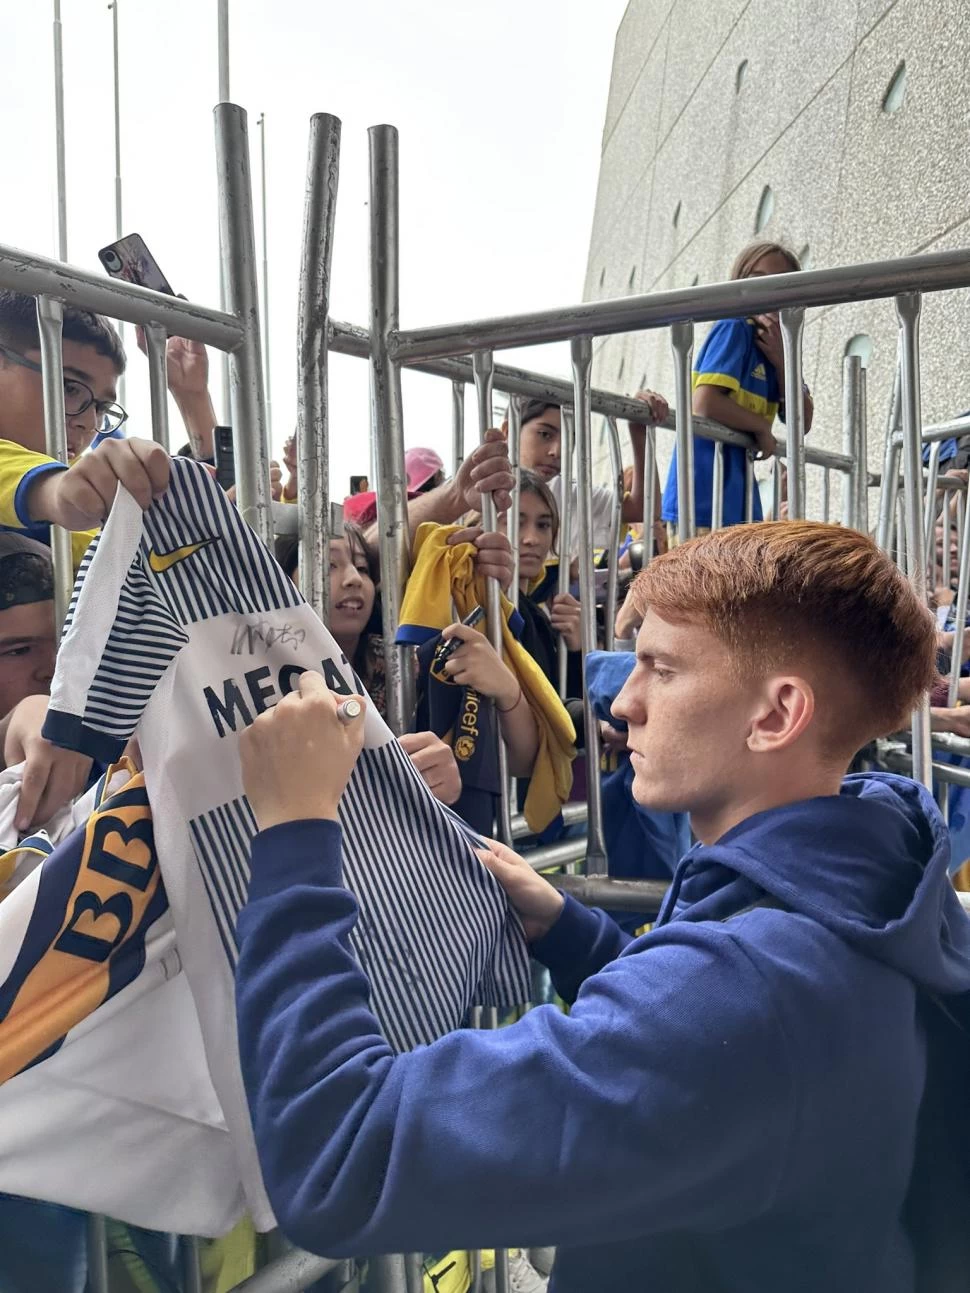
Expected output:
(19, 467)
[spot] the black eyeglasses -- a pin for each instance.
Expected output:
(78, 397)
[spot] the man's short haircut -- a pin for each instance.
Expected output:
(18, 328)
(802, 595)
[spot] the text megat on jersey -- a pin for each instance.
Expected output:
(243, 699)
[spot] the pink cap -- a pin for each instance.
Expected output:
(420, 465)
(361, 509)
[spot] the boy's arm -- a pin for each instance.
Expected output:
(20, 470)
(80, 496)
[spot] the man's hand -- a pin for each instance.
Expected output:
(536, 903)
(435, 762)
(658, 410)
(493, 556)
(81, 497)
(298, 756)
(565, 615)
(485, 471)
(52, 777)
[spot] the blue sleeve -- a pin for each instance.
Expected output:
(580, 944)
(28, 479)
(640, 1101)
(723, 357)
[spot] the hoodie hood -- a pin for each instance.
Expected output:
(870, 864)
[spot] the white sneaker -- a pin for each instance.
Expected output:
(523, 1276)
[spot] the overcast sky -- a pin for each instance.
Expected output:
(500, 109)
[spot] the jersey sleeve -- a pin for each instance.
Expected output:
(19, 469)
(723, 356)
(119, 639)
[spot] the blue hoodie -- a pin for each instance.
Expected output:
(730, 1104)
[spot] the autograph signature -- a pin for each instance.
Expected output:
(246, 637)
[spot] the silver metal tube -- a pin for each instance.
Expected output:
(564, 853)
(156, 342)
(826, 495)
(387, 1274)
(458, 424)
(191, 1264)
(50, 319)
(413, 1273)
(852, 429)
(291, 1273)
(613, 556)
(792, 325)
(908, 311)
(116, 64)
(960, 617)
(266, 351)
(515, 436)
(565, 527)
(348, 339)
(901, 555)
(617, 895)
(951, 743)
(237, 246)
(572, 815)
(97, 1252)
(493, 590)
(717, 489)
(682, 345)
(650, 517)
(387, 437)
(313, 416)
(739, 298)
(222, 20)
(749, 487)
(929, 500)
(37, 276)
(951, 774)
(776, 490)
(946, 558)
(888, 494)
(861, 478)
(59, 134)
(946, 430)
(502, 1284)
(581, 353)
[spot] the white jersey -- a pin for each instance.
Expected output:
(183, 628)
(603, 498)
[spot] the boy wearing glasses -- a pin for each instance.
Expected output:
(36, 490)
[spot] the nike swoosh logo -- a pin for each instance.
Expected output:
(162, 561)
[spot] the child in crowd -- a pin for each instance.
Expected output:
(738, 381)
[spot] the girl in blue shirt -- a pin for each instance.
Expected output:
(739, 381)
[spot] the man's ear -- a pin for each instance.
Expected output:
(784, 710)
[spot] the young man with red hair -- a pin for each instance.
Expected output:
(746, 1098)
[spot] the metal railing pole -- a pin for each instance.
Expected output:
(581, 353)
(862, 474)
(565, 528)
(222, 37)
(265, 238)
(776, 491)
(388, 422)
(191, 1264)
(116, 65)
(851, 430)
(294, 1272)
(749, 486)
(946, 557)
(650, 517)
(97, 1246)
(59, 147)
(493, 591)
(792, 325)
(888, 494)
(50, 319)
(682, 345)
(613, 569)
(929, 499)
(238, 248)
(458, 425)
(313, 409)
(717, 488)
(960, 616)
(908, 306)
(515, 436)
(156, 341)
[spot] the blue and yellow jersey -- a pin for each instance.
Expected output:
(731, 360)
(19, 469)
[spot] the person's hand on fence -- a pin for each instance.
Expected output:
(290, 485)
(298, 756)
(436, 763)
(956, 720)
(275, 481)
(493, 555)
(81, 497)
(658, 410)
(476, 664)
(486, 470)
(52, 776)
(565, 615)
(536, 903)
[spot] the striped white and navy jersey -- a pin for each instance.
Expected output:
(183, 629)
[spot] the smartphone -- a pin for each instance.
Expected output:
(130, 259)
(224, 456)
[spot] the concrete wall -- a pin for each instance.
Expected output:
(687, 153)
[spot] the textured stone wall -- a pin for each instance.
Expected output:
(689, 146)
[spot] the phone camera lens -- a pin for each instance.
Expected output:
(112, 261)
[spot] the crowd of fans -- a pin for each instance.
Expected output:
(738, 381)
